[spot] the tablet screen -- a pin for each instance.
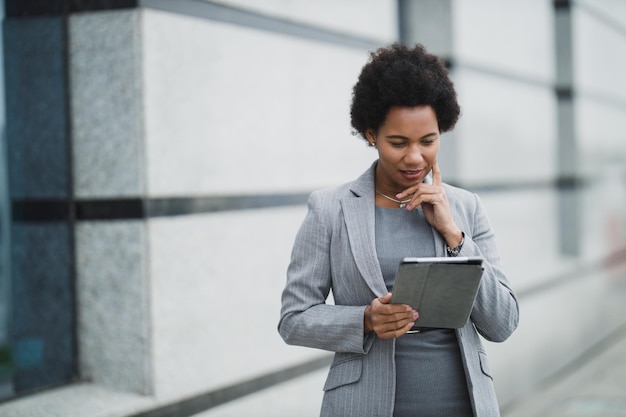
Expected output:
(442, 290)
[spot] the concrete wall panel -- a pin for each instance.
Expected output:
(507, 130)
(216, 282)
(232, 110)
(371, 19)
(514, 37)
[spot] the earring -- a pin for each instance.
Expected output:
(369, 134)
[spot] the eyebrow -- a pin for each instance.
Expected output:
(404, 137)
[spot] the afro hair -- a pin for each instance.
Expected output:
(399, 75)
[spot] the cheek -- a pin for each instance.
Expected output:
(432, 153)
(388, 155)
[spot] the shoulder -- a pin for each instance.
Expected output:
(460, 196)
(467, 208)
(463, 203)
(327, 198)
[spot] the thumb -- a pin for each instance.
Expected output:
(385, 298)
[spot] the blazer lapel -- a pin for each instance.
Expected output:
(359, 216)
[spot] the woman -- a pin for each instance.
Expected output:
(353, 238)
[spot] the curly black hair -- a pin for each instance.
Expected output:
(398, 75)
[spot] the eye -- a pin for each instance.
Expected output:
(397, 144)
(429, 140)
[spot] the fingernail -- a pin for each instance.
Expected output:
(415, 315)
(409, 308)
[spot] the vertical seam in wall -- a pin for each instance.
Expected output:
(400, 11)
(148, 366)
(71, 213)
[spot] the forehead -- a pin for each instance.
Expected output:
(418, 119)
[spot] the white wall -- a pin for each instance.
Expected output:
(167, 105)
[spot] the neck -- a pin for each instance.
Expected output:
(386, 189)
(390, 200)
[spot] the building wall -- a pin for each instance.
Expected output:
(197, 129)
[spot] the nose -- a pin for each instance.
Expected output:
(413, 154)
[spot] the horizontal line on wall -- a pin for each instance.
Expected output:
(203, 402)
(249, 19)
(560, 184)
(602, 17)
(45, 210)
(32, 8)
(564, 93)
(200, 9)
(561, 4)
(510, 76)
(572, 367)
(579, 272)
(603, 98)
(51, 210)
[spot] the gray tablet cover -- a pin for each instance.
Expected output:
(442, 290)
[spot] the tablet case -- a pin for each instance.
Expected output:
(442, 292)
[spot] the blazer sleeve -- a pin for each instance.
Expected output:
(306, 319)
(496, 312)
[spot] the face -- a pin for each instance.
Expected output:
(407, 143)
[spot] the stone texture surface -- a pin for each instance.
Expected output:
(216, 281)
(78, 400)
(260, 113)
(36, 128)
(42, 305)
(113, 292)
(107, 104)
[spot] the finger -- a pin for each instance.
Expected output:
(426, 195)
(393, 319)
(436, 174)
(386, 299)
(391, 313)
(397, 332)
(410, 191)
(418, 200)
(432, 197)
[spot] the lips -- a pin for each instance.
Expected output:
(412, 175)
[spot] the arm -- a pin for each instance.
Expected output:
(306, 319)
(496, 312)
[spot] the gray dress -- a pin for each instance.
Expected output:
(430, 380)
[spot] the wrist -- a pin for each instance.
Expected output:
(456, 249)
(367, 320)
(454, 238)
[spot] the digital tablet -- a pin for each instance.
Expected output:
(442, 290)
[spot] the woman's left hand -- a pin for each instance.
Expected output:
(434, 202)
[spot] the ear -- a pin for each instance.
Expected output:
(371, 138)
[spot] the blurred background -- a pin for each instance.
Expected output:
(157, 156)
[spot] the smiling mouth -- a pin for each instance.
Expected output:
(412, 173)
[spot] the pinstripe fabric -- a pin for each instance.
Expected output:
(335, 249)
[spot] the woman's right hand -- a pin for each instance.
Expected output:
(388, 320)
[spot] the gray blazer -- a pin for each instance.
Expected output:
(335, 250)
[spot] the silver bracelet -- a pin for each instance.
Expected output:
(457, 249)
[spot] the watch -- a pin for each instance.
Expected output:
(455, 250)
